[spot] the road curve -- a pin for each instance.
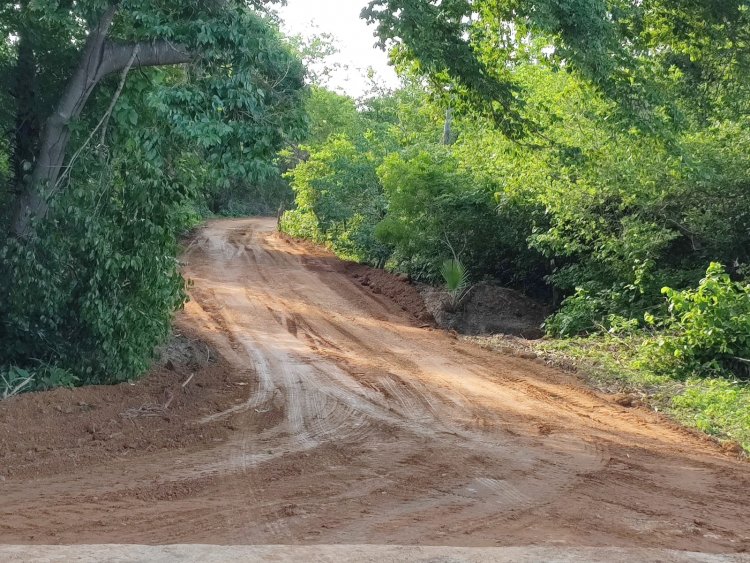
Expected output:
(360, 427)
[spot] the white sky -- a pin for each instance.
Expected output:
(355, 40)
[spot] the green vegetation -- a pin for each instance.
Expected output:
(456, 280)
(126, 120)
(706, 330)
(715, 404)
(691, 363)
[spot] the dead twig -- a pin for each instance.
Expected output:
(150, 410)
(144, 411)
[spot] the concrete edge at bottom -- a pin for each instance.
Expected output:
(356, 553)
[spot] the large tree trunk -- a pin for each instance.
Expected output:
(99, 58)
(24, 92)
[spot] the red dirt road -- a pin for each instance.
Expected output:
(338, 420)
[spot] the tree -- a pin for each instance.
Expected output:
(232, 50)
(125, 117)
(633, 52)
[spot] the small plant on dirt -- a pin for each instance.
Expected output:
(456, 281)
(14, 381)
(50, 376)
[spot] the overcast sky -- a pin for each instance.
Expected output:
(355, 39)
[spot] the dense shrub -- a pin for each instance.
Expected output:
(707, 330)
(94, 290)
(339, 200)
(437, 210)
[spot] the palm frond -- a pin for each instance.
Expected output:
(456, 280)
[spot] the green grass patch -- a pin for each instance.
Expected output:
(608, 361)
(717, 406)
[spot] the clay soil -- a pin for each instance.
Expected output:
(486, 309)
(309, 401)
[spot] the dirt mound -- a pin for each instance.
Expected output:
(395, 287)
(47, 432)
(487, 309)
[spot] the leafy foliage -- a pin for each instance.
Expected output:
(437, 209)
(338, 191)
(655, 58)
(708, 329)
(94, 287)
(14, 381)
(456, 280)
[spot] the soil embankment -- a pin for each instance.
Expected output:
(487, 309)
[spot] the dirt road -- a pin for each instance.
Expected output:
(353, 424)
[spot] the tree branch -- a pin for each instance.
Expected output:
(156, 53)
(87, 71)
(31, 203)
(113, 102)
(100, 57)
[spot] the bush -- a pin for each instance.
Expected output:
(708, 330)
(436, 209)
(580, 313)
(300, 223)
(95, 288)
(339, 200)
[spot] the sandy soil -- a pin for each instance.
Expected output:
(324, 412)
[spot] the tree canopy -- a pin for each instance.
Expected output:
(657, 58)
(242, 92)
